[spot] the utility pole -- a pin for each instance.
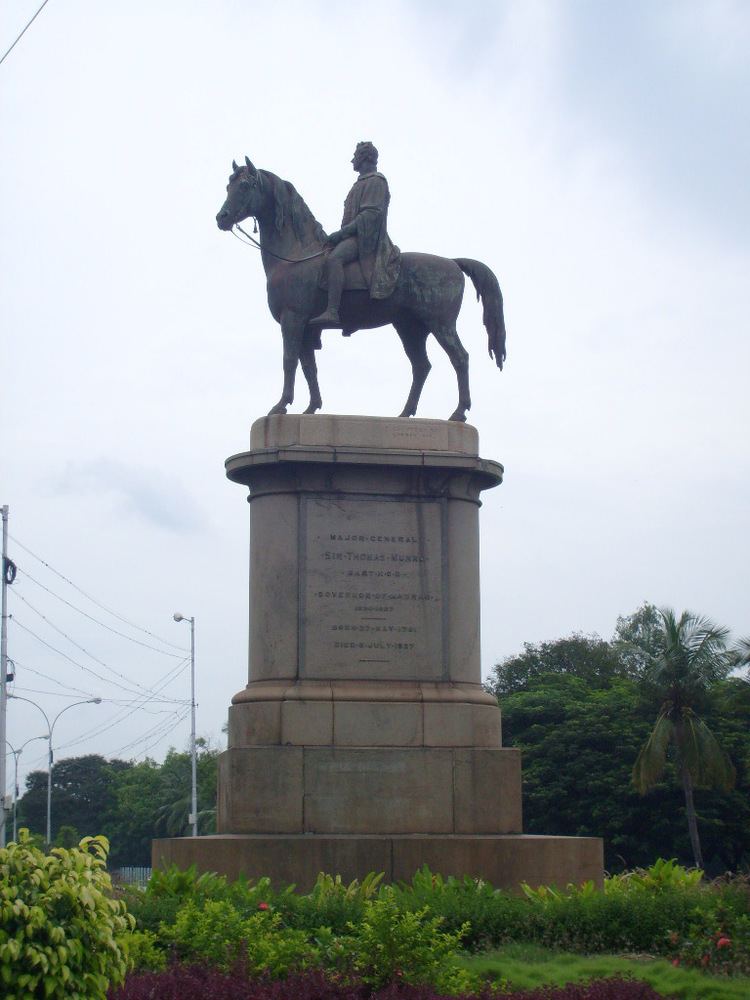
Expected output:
(3, 676)
(193, 818)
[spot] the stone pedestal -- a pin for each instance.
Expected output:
(363, 739)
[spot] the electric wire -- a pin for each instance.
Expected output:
(56, 694)
(78, 645)
(126, 712)
(155, 732)
(88, 670)
(28, 25)
(96, 621)
(179, 722)
(48, 677)
(93, 600)
(121, 716)
(154, 735)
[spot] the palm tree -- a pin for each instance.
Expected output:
(691, 654)
(741, 652)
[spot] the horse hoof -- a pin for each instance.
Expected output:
(312, 408)
(458, 416)
(279, 408)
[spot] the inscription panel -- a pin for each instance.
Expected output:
(372, 589)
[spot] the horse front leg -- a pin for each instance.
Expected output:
(292, 329)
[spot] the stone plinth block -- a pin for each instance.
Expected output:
(364, 549)
(504, 861)
(355, 790)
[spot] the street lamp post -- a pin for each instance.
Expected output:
(50, 729)
(193, 818)
(16, 754)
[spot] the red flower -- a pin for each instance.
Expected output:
(723, 942)
(263, 906)
(675, 961)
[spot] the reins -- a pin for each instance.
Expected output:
(256, 246)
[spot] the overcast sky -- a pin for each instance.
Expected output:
(595, 155)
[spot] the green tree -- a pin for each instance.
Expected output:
(578, 743)
(636, 638)
(588, 657)
(67, 837)
(82, 794)
(690, 656)
(172, 817)
(132, 819)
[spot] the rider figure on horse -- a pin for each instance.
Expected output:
(363, 235)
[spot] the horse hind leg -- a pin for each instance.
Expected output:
(449, 340)
(414, 336)
(310, 371)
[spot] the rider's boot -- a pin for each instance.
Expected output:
(335, 290)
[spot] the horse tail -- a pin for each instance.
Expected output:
(488, 290)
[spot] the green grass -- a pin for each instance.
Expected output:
(526, 967)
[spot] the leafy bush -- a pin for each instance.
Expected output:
(144, 953)
(647, 910)
(407, 946)
(662, 875)
(493, 916)
(218, 933)
(331, 903)
(61, 933)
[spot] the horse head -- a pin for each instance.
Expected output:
(245, 196)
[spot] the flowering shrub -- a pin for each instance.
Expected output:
(709, 944)
(61, 933)
(637, 912)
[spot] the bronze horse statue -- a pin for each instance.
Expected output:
(427, 297)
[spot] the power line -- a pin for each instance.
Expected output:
(154, 734)
(85, 614)
(93, 600)
(79, 646)
(24, 31)
(78, 691)
(107, 680)
(123, 714)
(54, 680)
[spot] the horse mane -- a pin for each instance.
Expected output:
(291, 205)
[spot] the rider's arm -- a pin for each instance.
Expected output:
(350, 229)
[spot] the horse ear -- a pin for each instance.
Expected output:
(235, 168)
(250, 168)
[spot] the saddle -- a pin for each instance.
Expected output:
(354, 279)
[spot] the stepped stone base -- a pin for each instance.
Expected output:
(503, 860)
(363, 740)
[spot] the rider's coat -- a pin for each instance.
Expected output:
(367, 206)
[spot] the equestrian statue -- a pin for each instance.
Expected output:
(356, 279)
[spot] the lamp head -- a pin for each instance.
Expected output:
(178, 617)
(96, 701)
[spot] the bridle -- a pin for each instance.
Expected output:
(255, 244)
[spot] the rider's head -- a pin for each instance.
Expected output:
(365, 153)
